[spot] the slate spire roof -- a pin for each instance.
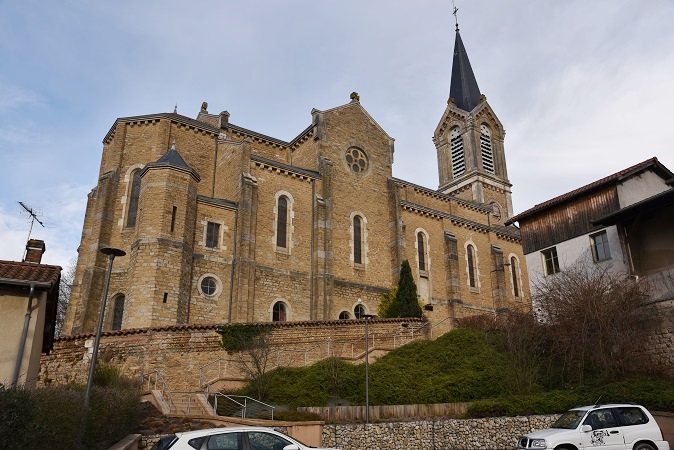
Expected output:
(172, 159)
(463, 88)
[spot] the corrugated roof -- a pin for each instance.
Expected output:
(614, 178)
(41, 273)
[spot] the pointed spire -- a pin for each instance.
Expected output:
(173, 157)
(463, 88)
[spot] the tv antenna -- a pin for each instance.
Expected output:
(33, 217)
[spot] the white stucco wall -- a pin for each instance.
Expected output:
(635, 189)
(576, 251)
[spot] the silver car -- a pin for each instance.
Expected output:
(232, 438)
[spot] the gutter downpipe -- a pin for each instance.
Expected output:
(24, 336)
(313, 249)
(231, 277)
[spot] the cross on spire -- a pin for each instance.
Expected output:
(456, 17)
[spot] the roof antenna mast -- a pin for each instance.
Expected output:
(33, 218)
(456, 17)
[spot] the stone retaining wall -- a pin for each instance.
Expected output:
(461, 434)
(179, 352)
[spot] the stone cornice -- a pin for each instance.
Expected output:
(275, 166)
(501, 233)
(218, 202)
(446, 197)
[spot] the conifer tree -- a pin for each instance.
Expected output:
(407, 298)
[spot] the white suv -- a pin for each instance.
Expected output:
(606, 427)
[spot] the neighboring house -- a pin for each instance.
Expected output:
(646, 231)
(623, 222)
(223, 224)
(28, 298)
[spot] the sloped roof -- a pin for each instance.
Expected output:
(172, 159)
(652, 164)
(463, 88)
(648, 205)
(27, 272)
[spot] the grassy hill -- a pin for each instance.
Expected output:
(466, 364)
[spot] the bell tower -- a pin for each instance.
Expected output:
(469, 142)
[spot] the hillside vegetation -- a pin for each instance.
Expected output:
(471, 364)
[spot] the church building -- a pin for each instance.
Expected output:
(222, 224)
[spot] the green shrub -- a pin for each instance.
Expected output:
(52, 417)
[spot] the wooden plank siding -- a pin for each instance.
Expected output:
(567, 220)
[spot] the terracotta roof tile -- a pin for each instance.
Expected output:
(652, 162)
(42, 273)
(217, 326)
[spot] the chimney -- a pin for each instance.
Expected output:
(224, 120)
(34, 250)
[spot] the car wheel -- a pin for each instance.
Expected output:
(643, 446)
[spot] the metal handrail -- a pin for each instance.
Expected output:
(245, 404)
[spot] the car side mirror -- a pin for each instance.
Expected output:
(291, 447)
(586, 428)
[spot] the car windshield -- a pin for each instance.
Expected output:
(569, 420)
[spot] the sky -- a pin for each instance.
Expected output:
(583, 88)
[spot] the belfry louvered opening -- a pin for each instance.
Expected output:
(458, 156)
(486, 149)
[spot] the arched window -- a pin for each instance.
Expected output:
(344, 315)
(515, 272)
(470, 254)
(421, 250)
(456, 149)
(359, 311)
(486, 150)
(357, 240)
(279, 312)
(118, 312)
(134, 195)
(282, 222)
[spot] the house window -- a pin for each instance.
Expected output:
(456, 149)
(212, 234)
(515, 272)
(421, 251)
(600, 249)
(279, 313)
(359, 311)
(486, 149)
(470, 254)
(134, 196)
(282, 222)
(344, 315)
(550, 261)
(118, 312)
(357, 240)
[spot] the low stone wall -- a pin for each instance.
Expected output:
(661, 343)
(461, 434)
(179, 352)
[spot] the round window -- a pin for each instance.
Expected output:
(209, 286)
(356, 159)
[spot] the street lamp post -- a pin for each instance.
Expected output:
(367, 318)
(111, 253)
